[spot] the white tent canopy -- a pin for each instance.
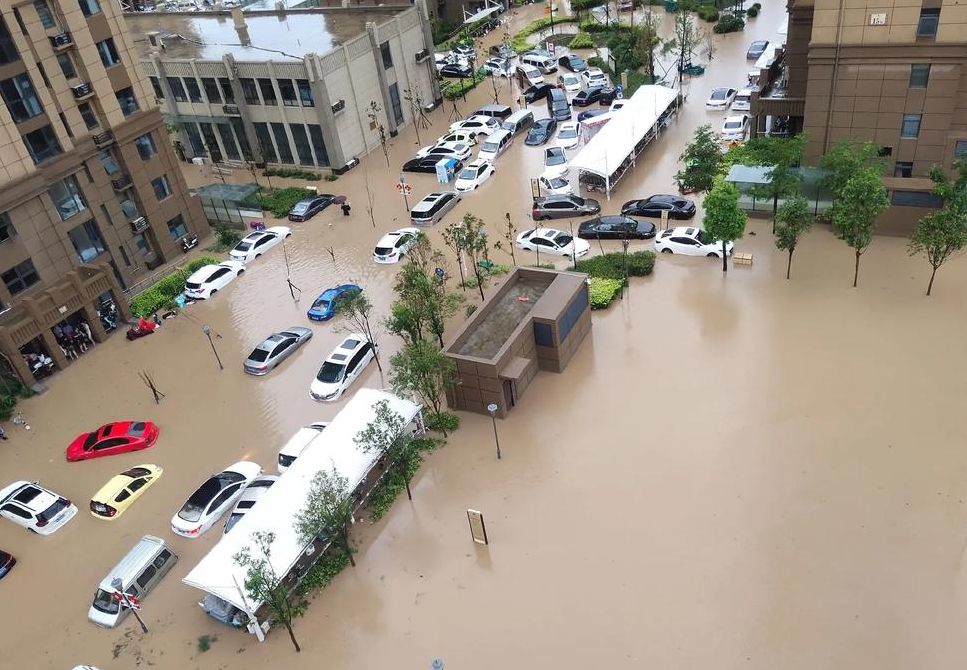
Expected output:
(617, 141)
(218, 574)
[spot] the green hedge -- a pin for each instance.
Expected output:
(308, 175)
(728, 24)
(612, 265)
(708, 13)
(752, 11)
(280, 200)
(602, 292)
(456, 88)
(519, 42)
(164, 292)
(582, 41)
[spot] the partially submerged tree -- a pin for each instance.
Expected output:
(373, 112)
(782, 154)
(468, 236)
(423, 302)
(685, 40)
(510, 237)
(328, 512)
(723, 219)
(701, 160)
(792, 221)
(264, 585)
(938, 236)
(357, 311)
(387, 434)
(846, 159)
(423, 370)
(858, 204)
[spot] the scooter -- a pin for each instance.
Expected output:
(143, 327)
(189, 242)
(109, 315)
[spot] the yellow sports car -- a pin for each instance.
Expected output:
(122, 490)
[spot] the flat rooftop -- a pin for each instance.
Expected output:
(493, 328)
(278, 36)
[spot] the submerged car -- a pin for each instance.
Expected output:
(555, 161)
(563, 206)
(118, 437)
(573, 63)
(471, 177)
(477, 124)
(720, 98)
(756, 49)
(540, 132)
(7, 561)
(555, 185)
(257, 243)
(568, 134)
(676, 206)
(616, 227)
(37, 509)
(393, 246)
(552, 241)
(309, 207)
(120, 492)
(735, 127)
(343, 366)
(208, 280)
(325, 305)
(250, 495)
(426, 164)
(213, 498)
(274, 349)
(690, 242)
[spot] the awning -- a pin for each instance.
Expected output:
(750, 174)
(481, 13)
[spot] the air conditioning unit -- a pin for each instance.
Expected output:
(338, 106)
(139, 225)
(422, 55)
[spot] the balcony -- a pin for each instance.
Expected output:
(139, 225)
(121, 183)
(82, 91)
(230, 109)
(103, 139)
(61, 41)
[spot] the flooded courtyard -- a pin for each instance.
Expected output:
(735, 470)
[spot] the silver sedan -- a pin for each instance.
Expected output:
(275, 349)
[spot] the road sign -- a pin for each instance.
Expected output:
(403, 188)
(131, 601)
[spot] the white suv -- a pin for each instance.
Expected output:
(35, 508)
(343, 366)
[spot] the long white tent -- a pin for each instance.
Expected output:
(622, 138)
(219, 575)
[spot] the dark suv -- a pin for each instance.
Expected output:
(598, 94)
(563, 207)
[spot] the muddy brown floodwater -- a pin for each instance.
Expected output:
(734, 472)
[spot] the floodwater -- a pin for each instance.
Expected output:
(735, 471)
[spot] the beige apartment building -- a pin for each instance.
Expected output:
(91, 195)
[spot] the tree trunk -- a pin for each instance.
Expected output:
(347, 548)
(856, 269)
(932, 275)
(725, 257)
(789, 264)
(463, 280)
(409, 494)
(476, 272)
(295, 642)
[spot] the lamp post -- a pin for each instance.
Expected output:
(492, 408)
(208, 333)
(118, 587)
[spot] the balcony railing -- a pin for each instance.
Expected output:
(121, 183)
(103, 139)
(61, 41)
(230, 109)
(82, 91)
(139, 225)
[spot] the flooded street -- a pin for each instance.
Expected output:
(735, 471)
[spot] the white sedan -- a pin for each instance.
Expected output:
(255, 244)
(555, 161)
(344, 365)
(571, 82)
(37, 509)
(735, 127)
(720, 98)
(457, 150)
(498, 67)
(208, 280)
(568, 134)
(213, 498)
(594, 77)
(690, 242)
(478, 125)
(462, 136)
(552, 241)
(555, 185)
(392, 246)
(473, 175)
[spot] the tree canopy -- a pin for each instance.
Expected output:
(860, 201)
(793, 219)
(724, 220)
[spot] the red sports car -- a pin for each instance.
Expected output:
(113, 438)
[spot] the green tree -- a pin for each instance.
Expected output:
(702, 160)
(424, 303)
(860, 201)
(405, 322)
(782, 154)
(468, 236)
(723, 219)
(328, 512)
(953, 192)
(686, 38)
(510, 236)
(938, 236)
(792, 221)
(422, 369)
(264, 585)
(357, 311)
(845, 159)
(387, 435)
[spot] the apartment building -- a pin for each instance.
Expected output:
(91, 196)
(287, 87)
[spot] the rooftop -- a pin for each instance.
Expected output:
(278, 36)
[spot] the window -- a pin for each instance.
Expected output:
(63, 122)
(543, 335)
(910, 128)
(145, 146)
(8, 50)
(20, 97)
(87, 241)
(228, 141)
(282, 143)
(20, 277)
(177, 228)
(387, 56)
(129, 209)
(7, 231)
(268, 91)
(42, 144)
(243, 144)
(108, 52)
(43, 12)
(302, 146)
(67, 65)
(89, 7)
(124, 257)
(305, 92)
(108, 163)
(211, 90)
(318, 144)
(929, 22)
(265, 142)
(572, 314)
(129, 104)
(227, 91)
(194, 138)
(915, 199)
(287, 90)
(250, 91)
(211, 142)
(87, 113)
(142, 244)
(903, 169)
(177, 90)
(960, 149)
(162, 189)
(919, 75)
(394, 98)
(67, 197)
(194, 93)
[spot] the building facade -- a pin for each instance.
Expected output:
(89, 185)
(290, 87)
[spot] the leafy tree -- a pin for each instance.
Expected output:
(845, 159)
(686, 39)
(357, 310)
(648, 38)
(468, 236)
(264, 585)
(783, 154)
(373, 112)
(723, 218)
(510, 236)
(792, 221)
(858, 204)
(422, 369)
(938, 236)
(423, 301)
(328, 511)
(405, 322)
(953, 192)
(701, 160)
(387, 434)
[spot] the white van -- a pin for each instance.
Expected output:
(139, 572)
(495, 145)
(518, 121)
(298, 443)
(530, 75)
(545, 64)
(742, 102)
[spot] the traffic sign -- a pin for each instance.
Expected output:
(403, 188)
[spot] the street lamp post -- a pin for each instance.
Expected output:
(492, 408)
(118, 587)
(208, 333)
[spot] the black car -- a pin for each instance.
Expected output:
(563, 207)
(456, 71)
(591, 113)
(427, 164)
(589, 96)
(502, 51)
(538, 92)
(308, 208)
(540, 132)
(7, 561)
(676, 206)
(572, 63)
(616, 227)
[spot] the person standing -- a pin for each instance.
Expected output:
(346, 208)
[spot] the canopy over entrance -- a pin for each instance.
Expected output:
(489, 9)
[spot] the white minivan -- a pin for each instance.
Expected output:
(545, 64)
(529, 74)
(495, 145)
(139, 572)
(298, 443)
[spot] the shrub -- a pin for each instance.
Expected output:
(597, 61)
(752, 12)
(7, 403)
(544, 266)
(707, 13)
(392, 483)
(331, 177)
(455, 89)
(292, 173)
(163, 293)
(602, 292)
(205, 642)
(325, 570)
(226, 238)
(582, 41)
(470, 309)
(519, 42)
(612, 265)
(728, 24)
(199, 262)
(641, 263)
(280, 200)
(635, 80)
(443, 422)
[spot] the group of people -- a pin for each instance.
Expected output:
(74, 338)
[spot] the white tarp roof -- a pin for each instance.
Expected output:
(768, 56)
(217, 573)
(482, 13)
(605, 152)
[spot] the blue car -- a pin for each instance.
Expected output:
(324, 307)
